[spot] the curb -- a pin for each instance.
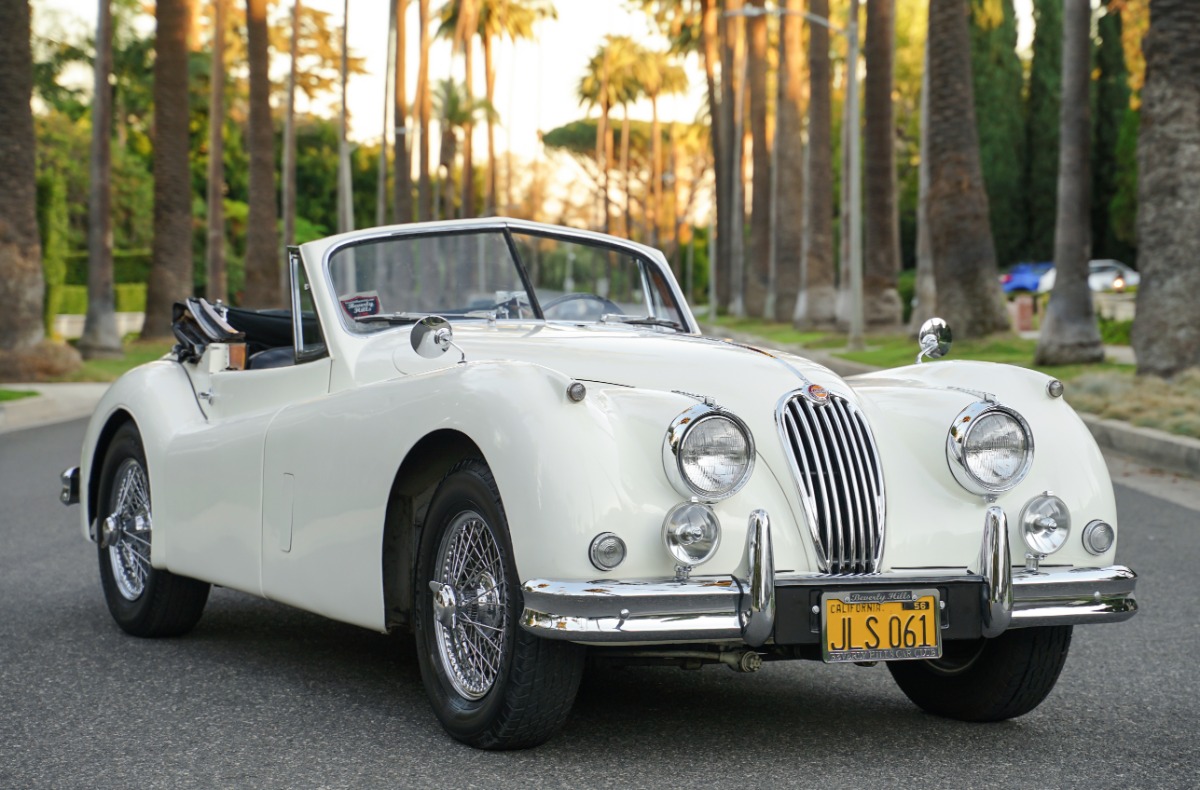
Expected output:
(1149, 446)
(54, 403)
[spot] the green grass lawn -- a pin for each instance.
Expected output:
(137, 352)
(16, 394)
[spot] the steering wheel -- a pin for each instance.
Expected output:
(581, 311)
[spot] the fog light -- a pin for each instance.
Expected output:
(1098, 536)
(1045, 524)
(691, 533)
(607, 551)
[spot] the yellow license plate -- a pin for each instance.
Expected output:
(880, 625)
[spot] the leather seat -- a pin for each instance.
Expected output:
(279, 357)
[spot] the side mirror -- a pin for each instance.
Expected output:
(432, 336)
(934, 339)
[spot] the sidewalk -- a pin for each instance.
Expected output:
(1159, 449)
(54, 403)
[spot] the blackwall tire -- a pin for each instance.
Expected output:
(144, 601)
(988, 680)
(492, 684)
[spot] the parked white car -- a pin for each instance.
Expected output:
(1103, 275)
(512, 440)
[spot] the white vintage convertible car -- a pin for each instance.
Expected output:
(511, 439)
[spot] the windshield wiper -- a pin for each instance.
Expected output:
(391, 318)
(640, 320)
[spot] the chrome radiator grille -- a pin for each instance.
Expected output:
(840, 477)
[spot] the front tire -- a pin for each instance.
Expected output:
(987, 679)
(492, 684)
(143, 600)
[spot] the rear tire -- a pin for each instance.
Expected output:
(143, 600)
(987, 679)
(492, 684)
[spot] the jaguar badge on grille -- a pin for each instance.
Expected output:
(817, 394)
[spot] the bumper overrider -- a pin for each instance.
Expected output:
(763, 606)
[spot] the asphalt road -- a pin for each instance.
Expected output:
(261, 695)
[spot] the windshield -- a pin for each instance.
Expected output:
(480, 275)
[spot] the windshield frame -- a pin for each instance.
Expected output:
(507, 227)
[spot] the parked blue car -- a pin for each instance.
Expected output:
(1024, 277)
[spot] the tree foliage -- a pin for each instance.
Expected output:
(1045, 90)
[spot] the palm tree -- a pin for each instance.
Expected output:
(611, 78)
(660, 76)
(171, 252)
(756, 273)
(100, 336)
(815, 307)
(402, 150)
(710, 46)
(964, 257)
(733, 63)
(215, 248)
(21, 281)
(1069, 333)
(455, 112)
(424, 112)
(262, 245)
(512, 19)
(787, 235)
(1168, 319)
(289, 136)
(881, 264)
(925, 292)
(345, 186)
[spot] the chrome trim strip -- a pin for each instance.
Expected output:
(995, 565)
(759, 618)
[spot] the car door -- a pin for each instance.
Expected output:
(221, 540)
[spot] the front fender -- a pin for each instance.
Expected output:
(931, 519)
(158, 397)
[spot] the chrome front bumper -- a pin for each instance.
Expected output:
(727, 608)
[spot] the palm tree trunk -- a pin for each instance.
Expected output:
(737, 222)
(262, 245)
(1167, 326)
(381, 169)
(926, 287)
(218, 287)
(731, 155)
(654, 205)
(345, 185)
(468, 148)
(757, 270)
(171, 251)
(709, 27)
(964, 257)
(288, 176)
(402, 197)
(489, 85)
(1070, 334)
(21, 279)
(815, 307)
(881, 300)
(425, 104)
(788, 154)
(100, 336)
(625, 174)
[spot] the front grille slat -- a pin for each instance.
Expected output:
(836, 463)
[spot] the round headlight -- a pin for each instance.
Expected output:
(1045, 524)
(990, 448)
(708, 453)
(1098, 537)
(692, 533)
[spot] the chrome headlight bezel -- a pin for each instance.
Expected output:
(673, 445)
(957, 439)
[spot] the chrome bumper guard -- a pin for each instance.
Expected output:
(69, 495)
(728, 608)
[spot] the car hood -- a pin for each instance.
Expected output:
(623, 356)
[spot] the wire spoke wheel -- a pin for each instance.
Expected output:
(473, 610)
(129, 552)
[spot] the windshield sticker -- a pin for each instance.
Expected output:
(361, 304)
